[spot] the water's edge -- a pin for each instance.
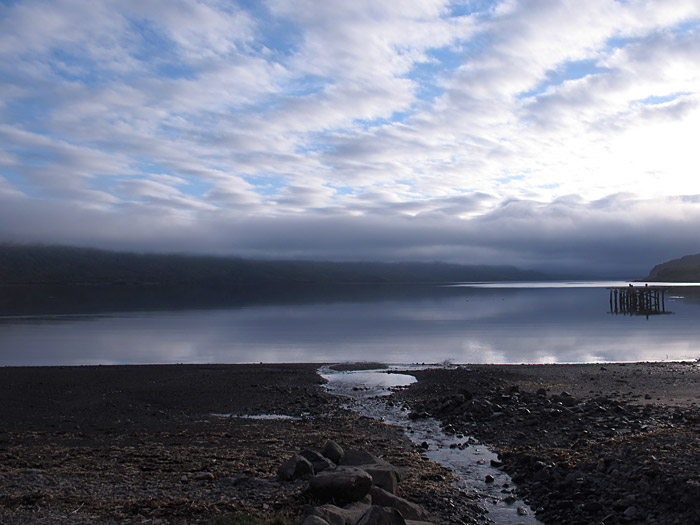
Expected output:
(366, 392)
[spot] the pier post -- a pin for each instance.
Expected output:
(631, 300)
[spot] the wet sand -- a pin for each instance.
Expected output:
(154, 444)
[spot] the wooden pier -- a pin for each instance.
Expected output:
(638, 300)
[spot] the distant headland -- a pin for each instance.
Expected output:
(686, 269)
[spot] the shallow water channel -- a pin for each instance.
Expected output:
(469, 461)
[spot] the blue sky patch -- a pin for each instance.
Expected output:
(572, 70)
(654, 100)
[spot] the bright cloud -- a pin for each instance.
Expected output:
(480, 132)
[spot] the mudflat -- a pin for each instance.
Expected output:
(598, 443)
(163, 444)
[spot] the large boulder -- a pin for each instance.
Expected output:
(314, 520)
(377, 515)
(409, 510)
(334, 515)
(333, 451)
(294, 468)
(384, 476)
(354, 458)
(342, 485)
(318, 461)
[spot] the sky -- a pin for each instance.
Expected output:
(557, 135)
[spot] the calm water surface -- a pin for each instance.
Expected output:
(492, 323)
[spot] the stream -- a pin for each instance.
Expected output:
(468, 460)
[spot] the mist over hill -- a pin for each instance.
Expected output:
(685, 269)
(64, 265)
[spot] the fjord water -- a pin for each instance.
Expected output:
(485, 323)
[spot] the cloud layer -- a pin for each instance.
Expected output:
(541, 133)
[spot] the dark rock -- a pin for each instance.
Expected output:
(333, 451)
(377, 515)
(383, 476)
(592, 506)
(334, 515)
(409, 510)
(354, 458)
(343, 485)
(359, 506)
(294, 468)
(489, 478)
(630, 512)
(318, 461)
(314, 520)
(466, 393)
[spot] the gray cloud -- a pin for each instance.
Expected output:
(613, 237)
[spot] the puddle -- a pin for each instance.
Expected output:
(258, 416)
(379, 383)
(470, 462)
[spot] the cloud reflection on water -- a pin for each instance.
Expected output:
(476, 326)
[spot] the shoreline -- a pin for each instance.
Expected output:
(141, 443)
(612, 443)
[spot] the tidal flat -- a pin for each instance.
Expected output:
(595, 443)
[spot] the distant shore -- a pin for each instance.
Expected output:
(115, 444)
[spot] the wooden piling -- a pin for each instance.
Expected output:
(631, 300)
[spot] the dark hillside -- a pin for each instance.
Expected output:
(686, 269)
(62, 265)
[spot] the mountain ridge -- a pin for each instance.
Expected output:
(683, 269)
(66, 265)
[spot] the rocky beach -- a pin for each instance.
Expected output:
(597, 443)
(585, 444)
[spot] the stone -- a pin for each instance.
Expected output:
(409, 510)
(366, 501)
(318, 461)
(592, 506)
(204, 476)
(361, 505)
(354, 458)
(314, 520)
(294, 468)
(334, 515)
(384, 476)
(377, 515)
(630, 512)
(343, 485)
(489, 478)
(332, 451)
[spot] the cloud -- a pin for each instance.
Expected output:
(427, 129)
(608, 237)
